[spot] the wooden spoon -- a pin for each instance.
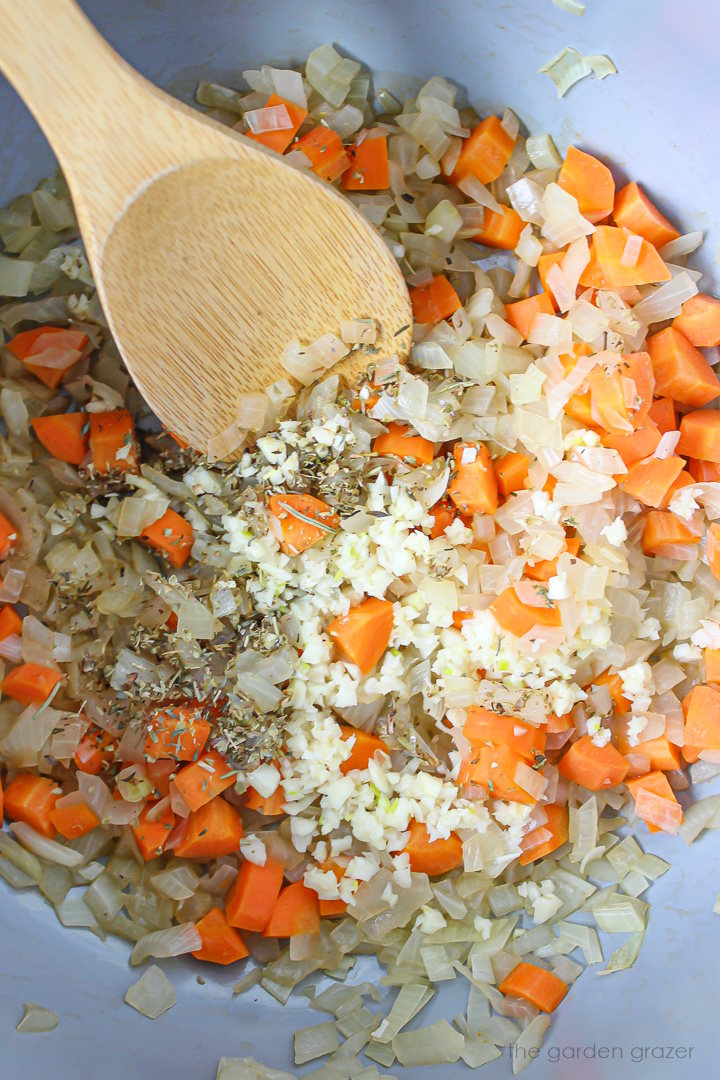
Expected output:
(210, 253)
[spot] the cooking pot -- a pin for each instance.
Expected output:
(655, 121)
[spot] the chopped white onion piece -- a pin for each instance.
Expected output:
(36, 1019)
(153, 993)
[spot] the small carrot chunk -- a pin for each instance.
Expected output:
(398, 442)
(280, 139)
(253, 894)
(522, 313)
(518, 618)
(364, 748)
(485, 152)
(473, 488)
(634, 447)
(202, 780)
(10, 622)
(113, 445)
(634, 211)
(701, 708)
(663, 529)
(662, 413)
(269, 805)
(30, 683)
(606, 269)
(8, 536)
(536, 844)
(221, 943)
(700, 435)
(614, 683)
(327, 155)
(296, 911)
(493, 767)
(288, 517)
(545, 263)
(704, 471)
(590, 182)
(541, 988)
(172, 535)
(483, 726)
(65, 435)
(511, 472)
(363, 635)
(213, 830)
(434, 302)
(32, 799)
(432, 857)
(36, 348)
(370, 168)
(74, 821)
(151, 835)
(500, 230)
(330, 909)
(443, 514)
(649, 481)
(712, 665)
(593, 767)
(178, 732)
(699, 320)
(681, 371)
(96, 748)
(655, 802)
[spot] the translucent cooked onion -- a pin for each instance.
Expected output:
(153, 993)
(178, 940)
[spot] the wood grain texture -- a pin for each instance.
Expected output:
(210, 253)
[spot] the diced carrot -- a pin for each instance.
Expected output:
(593, 767)
(253, 894)
(606, 269)
(614, 683)
(518, 618)
(544, 569)
(556, 724)
(172, 535)
(10, 622)
(494, 768)
(288, 514)
(30, 683)
(398, 442)
(221, 943)
(683, 479)
(8, 536)
(590, 181)
(557, 824)
(712, 665)
(178, 732)
(328, 157)
(649, 481)
(35, 343)
(699, 320)
(369, 169)
(201, 781)
(364, 747)
(662, 529)
(700, 435)
(655, 802)
(432, 857)
(704, 471)
(500, 230)
(522, 313)
(434, 302)
(459, 617)
(96, 748)
(330, 909)
(681, 370)
(112, 442)
(160, 773)
(485, 153)
(269, 805)
(296, 911)
(636, 446)
(511, 472)
(662, 413)
(634, 211)
(443, 514)
(215, 829)
(660, 752)
(281, 139)
(701, 708)
(171, 623)
(362, 636)
(638, 367)
(545, 263)
(473, 488)
(151, 836)
(74, 821)
(32, 799)
(541, 988)
(483, 726)
(65, 435)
